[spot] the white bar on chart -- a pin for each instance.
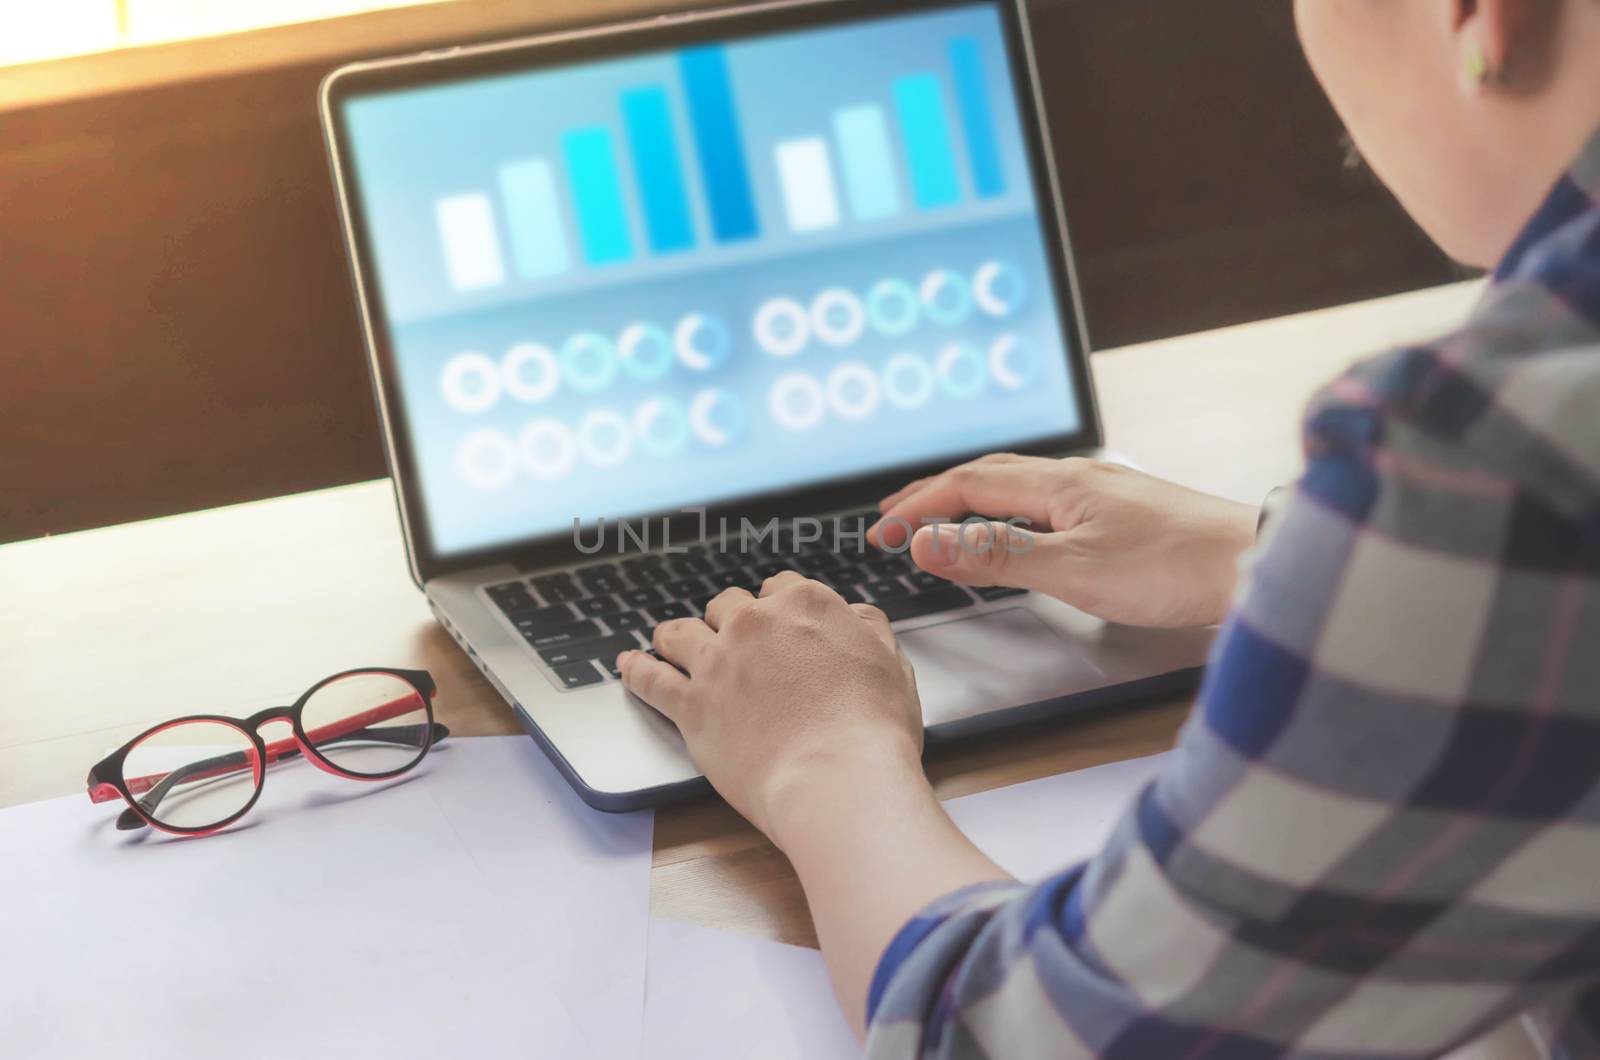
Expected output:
(870, 180)
(471, 247)
(809, 192)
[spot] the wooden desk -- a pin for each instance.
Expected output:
(106, 632)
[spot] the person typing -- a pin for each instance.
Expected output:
(1380, 833)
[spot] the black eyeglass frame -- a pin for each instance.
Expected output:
(107, 782)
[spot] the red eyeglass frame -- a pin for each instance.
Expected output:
(106, 781)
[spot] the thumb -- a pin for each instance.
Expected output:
(993, 554)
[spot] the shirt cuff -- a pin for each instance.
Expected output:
(978, 897)
(1270, 504)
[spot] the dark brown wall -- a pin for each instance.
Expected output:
(176, 319)
(1204, 171)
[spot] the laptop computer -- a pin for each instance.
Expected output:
(658, 308)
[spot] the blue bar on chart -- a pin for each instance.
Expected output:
(533, 217)
(870, 182)
(719, 143)
(930, 151)
(597, 196)
(810, 196)
(469, 241)
(658, 169)
(977, 120)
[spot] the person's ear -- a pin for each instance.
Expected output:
(1488, 34)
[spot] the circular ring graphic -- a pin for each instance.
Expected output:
(946, 297)
(797, 402)
(999, 288)
(588, 362)
(893, 307)
(837, 317)
(907, 381)
(471, 383)
(703, 342)
(961, 370)
(717, 417)
(1014, 362)
(487, 460)
(531, 372)
(661, 427)
(548, 449)
(853, 391)
(782, 327)
(645, 351)
(604, 438)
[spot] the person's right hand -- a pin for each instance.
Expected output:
(1115, 542)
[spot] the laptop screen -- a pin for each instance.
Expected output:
(686, 276)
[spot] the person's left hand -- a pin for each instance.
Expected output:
(782, 692)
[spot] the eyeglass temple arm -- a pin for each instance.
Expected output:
(355, 727)
(238, 760)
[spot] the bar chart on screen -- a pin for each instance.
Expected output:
(699, 272)
(678, 170)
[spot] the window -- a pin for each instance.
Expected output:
(32, 30)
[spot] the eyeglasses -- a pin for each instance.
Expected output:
(199, 774)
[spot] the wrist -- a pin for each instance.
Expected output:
(1239, 529)
(1234, 536)
(813, 789)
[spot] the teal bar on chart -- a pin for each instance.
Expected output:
(597, 196)
(658, 169)
(719, 142)
(870, 181)
(533, 218)
(930, 149)
(977, 119)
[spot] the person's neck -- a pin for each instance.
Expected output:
(1543, 120)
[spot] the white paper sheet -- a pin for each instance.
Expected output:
(712, 995)
(475, 908)
(1042, 826)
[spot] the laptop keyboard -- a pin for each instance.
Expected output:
(578, 621)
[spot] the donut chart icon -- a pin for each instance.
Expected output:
(893, 307)
(588, 362)
(661, 427)
(797, 402)
(530, 372)
(853, 391)
(646, 352)
(837, 317)
(703, 342)
(1014, 362)
(470, 383)
(717, 417)
(487, 460)
(961, 369)
(782, 327)
(946, 298)
(548, 449)
(604, 438)
(908, 381)
(999, 288)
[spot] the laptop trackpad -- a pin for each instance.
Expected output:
(1006, 658)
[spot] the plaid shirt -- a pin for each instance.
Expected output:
(1380, 834)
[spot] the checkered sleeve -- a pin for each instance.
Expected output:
(1377, 837)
